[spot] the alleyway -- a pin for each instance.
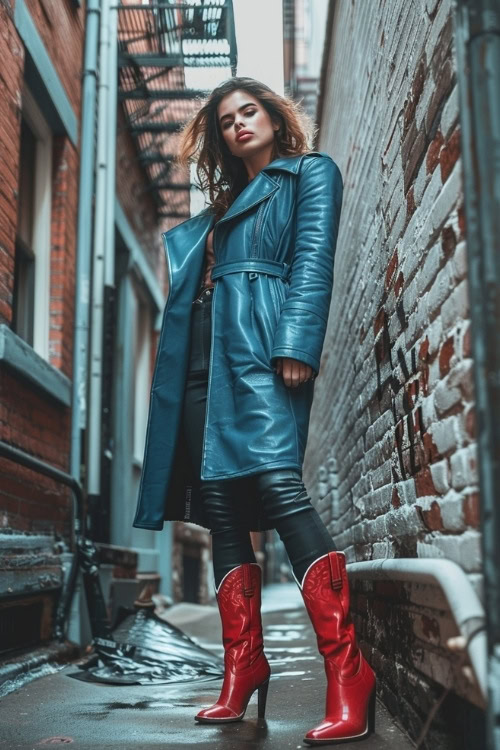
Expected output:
(59, 710)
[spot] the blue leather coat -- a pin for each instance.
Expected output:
(274, 251)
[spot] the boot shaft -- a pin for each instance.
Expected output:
(239, 602)
(325, 590)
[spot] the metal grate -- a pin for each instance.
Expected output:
(21, 624)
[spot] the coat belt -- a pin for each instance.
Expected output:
(254, 265)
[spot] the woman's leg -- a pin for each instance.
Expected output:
(288, 507)
(231, 545)
(237, 576)
(321, 575)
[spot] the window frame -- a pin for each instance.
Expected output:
(40, 243)
(142, 352)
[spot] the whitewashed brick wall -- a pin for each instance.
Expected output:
(391, 458)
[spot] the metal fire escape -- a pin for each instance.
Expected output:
(157, 41)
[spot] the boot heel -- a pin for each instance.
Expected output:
(371, 712)
(262, 698)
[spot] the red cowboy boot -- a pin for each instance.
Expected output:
(350, 695)
(246, 669)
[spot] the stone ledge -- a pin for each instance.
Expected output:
(22, 358)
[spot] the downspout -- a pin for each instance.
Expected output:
(99, 263)
(109, 259)
(464, 603)
(83, 253)
(330, 25)
(477, 34)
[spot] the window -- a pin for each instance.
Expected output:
(31, 299)
(142, 379)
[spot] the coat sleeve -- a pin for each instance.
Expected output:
(302, 323)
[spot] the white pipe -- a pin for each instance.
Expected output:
(97, 319)
(464, 603)
(84, 233)
(109, 257)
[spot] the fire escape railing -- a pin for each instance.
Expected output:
(157, 43)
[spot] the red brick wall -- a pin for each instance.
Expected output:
(60, 24)
(11, 75)
(28, 500)
(63, 253)
(28, 420)
(391, 460)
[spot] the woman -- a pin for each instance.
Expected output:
(250, 287)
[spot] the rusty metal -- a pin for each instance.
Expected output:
(35, 464)
(19, 456)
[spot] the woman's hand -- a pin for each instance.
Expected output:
(294, 372)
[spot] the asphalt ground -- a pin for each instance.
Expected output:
(57, 710)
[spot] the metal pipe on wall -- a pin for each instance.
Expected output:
(101, 250)
(465, 606)
(477, 34)
(83, 251)
(109, 258)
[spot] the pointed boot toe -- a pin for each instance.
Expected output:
(217, 714)
(350, 695)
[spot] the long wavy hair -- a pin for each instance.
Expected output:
(222, 175)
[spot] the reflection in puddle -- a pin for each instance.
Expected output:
(291, 659)
(285, 633)
(287, 626)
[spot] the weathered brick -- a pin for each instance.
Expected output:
(456, 307)
(29, 420)
(399, 349)
(431, 516)
(471, 510)
(440, 476)
(424, 484)
(444, 435)
(433, 153)
(449, 116)
(446, 353)
(449, 154)
(464, 468)
(464, 549)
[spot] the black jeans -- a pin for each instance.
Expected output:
(281, 491)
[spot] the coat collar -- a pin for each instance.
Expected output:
(260, 188)
(263, 185)
(257, 190)
(289, 163)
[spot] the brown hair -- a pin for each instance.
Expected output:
(219, 172)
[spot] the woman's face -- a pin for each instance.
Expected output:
(245, 125)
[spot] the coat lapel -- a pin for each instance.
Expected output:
(260, 188)
(185, 249)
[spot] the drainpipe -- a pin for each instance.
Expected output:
(464, 603)
(109, 259)
(83, 253)
(477, 35)
(101, 250)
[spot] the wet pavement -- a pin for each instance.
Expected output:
(57, 710)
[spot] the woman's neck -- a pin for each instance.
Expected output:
(258, 161)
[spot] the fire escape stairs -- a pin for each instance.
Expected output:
(157, 42)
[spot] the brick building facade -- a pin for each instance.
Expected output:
(391, 459)
(30, 420)
(41, 49)
(88, 300)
